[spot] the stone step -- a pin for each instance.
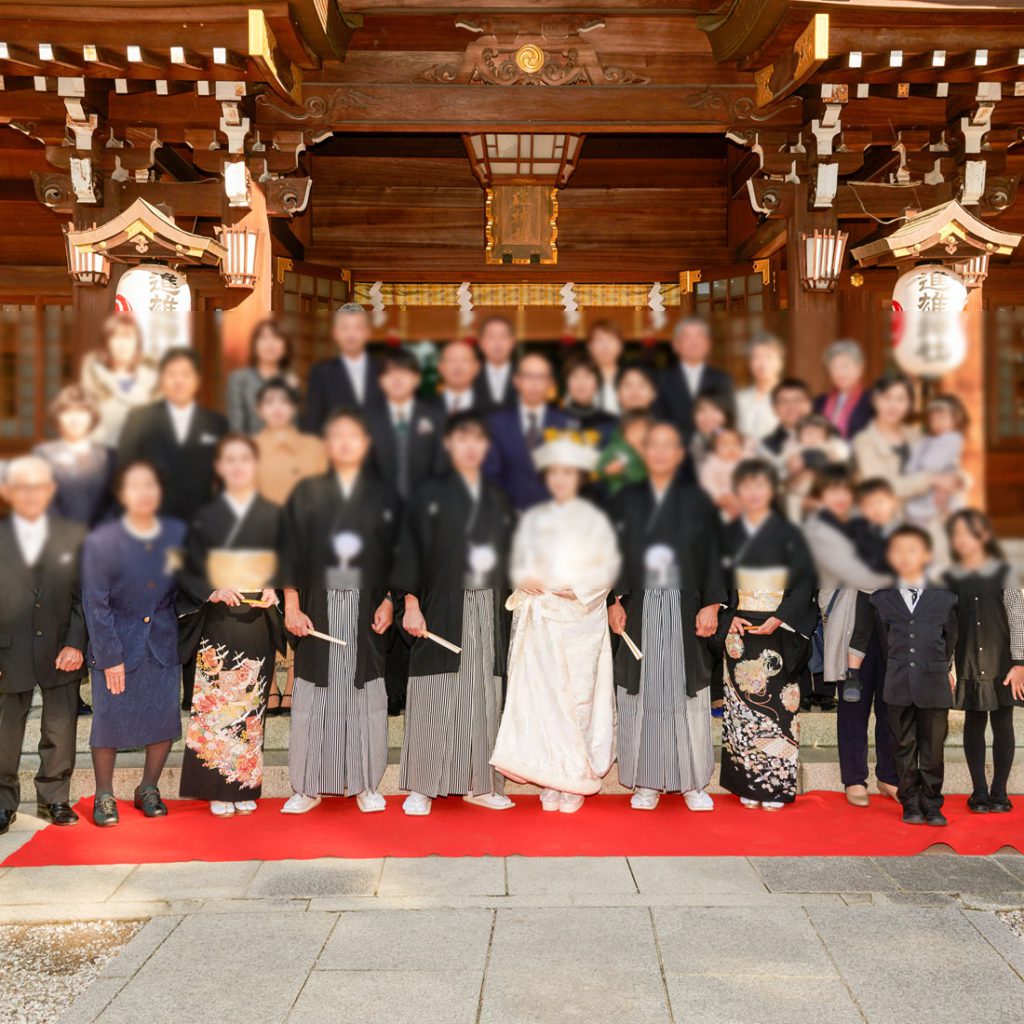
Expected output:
(819, 769)
(817, 729)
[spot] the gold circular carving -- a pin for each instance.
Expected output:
(530, 58)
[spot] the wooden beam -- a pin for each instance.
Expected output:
(810, 50)
(472, 108)
(768, 238)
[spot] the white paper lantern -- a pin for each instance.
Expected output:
(161, 301)
(929, 337)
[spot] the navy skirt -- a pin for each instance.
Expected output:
(148, 711)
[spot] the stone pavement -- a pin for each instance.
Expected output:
(520, 940)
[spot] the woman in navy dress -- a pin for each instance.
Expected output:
(128, 592)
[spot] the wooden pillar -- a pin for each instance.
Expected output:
(252, 306)
(967, 382)
(813, 316)
(92, 304)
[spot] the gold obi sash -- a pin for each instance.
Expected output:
(761, 590)
(247, 571)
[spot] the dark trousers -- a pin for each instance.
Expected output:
(852, 726)
(57, 742)
(919, 735)
(396, 671)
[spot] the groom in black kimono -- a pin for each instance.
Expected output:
(671, 572)
(452, 568)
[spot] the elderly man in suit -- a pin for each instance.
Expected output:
(516, 432)
(177, 435)
(42, 639)
(350, 379)
(680, 385)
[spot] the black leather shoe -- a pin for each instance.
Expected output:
(913, 815)
(935, 818)
(147, 800)
(978, 805)
(104, 810)
(7, 819)
(57, 814)
(999, 805)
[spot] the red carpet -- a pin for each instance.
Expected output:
(818, 824)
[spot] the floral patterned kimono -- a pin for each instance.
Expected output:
(235, 652)
(772, 576)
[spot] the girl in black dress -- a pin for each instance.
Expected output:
(231, 623)
(989, 653)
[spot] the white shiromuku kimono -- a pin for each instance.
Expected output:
(558, 727)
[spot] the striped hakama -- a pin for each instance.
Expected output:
(339, 733)
(451, 718)
(664, 735)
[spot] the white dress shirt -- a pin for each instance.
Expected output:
(755, 415)
(497, 379)
(692, 374)
(607, 396)
(458, 401)
(31, 535)
(401, 413)
(525, 414)
(181, 419)
(357, 375)
(911, 599)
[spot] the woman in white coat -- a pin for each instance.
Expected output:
(558, 727)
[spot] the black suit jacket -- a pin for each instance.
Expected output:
(426, 454)
(186, 469)
(40, 607)
(330, 388)
(675, 402)
(918, 646)
(484, 401)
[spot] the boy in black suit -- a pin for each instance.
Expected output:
(918, 627)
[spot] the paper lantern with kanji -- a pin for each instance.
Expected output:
(161, 301)
(928, 329)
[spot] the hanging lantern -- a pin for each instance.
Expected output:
(821, 259)
(238, 268)
(86, 266)
(973, 271)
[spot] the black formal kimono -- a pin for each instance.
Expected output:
(338, 551)
(919, 645)
(453, 557)
(671, 568)
(407, 458)
(771, 574)
(40, 613)
(186, 468)
(235, 651)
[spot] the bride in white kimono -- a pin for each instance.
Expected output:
(558, 727)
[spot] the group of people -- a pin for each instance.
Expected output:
(543, 586)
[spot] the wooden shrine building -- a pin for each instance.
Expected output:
(552, 160)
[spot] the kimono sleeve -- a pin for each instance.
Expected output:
(797, 609)
(75, 636)
(193, 586)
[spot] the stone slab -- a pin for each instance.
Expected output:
(567, 875)
(443, 876)
(696, 877)
(306, 878)
(196, 880)
(822, 874)
(68, 885)
(408, 940)
(949, 873)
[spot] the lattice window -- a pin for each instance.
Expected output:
(305, 298)
(1005, 391)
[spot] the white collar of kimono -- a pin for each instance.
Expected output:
(239, 508)
(752, 528)
(346, 487)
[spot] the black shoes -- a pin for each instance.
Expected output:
(999, 805)
(934, 817)
(147, 800)
(57, 814)
(978, 804)
(913, 815)
(104, 810)
(7, 819)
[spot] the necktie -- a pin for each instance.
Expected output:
(914, 593)
(402, 433)
(532, 430)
